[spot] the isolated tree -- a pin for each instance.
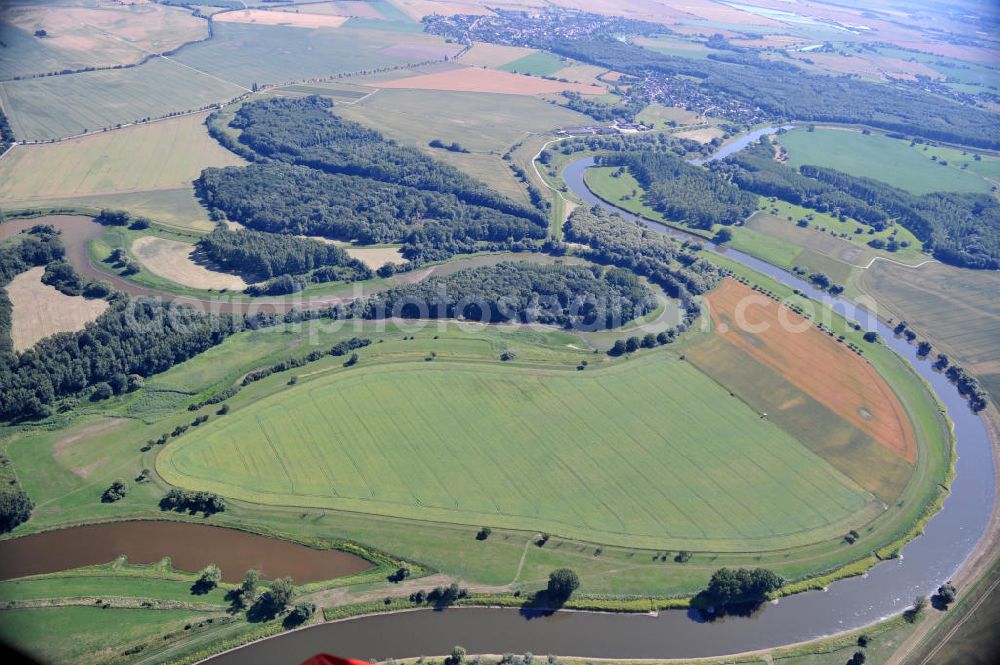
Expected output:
(209, 577)
(116, 492)
(562, 583)
(457, 656)
(945, 595)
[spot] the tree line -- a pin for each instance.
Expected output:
(667, 262)
(277, 197)
(262, 256)
(303, 131)
(587, 297)
(683, 192)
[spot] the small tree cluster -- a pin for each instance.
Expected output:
(116, 492)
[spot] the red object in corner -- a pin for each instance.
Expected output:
(327, 659)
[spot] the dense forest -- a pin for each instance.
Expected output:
(317, 174)
(262, 256)
(616, 241)
(580, 297)
(283, 198)
(303, 131)
(132, 337)
(682, 192)
(755, 170)
(958, 228)
(785, 91)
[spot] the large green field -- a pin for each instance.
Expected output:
(486, 125)
(877, 156)
(146, 169)
(248, 54)
(536, 64)
(529, 448)
(58, 106)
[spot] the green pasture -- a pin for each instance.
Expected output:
(386, 439)
(893, 161)
(89, 634)
(540, 63)
(58, 106)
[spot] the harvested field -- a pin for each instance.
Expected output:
(586, 74)
(471, 79)
(871, 66)
(101, 34)
(957, 310)
(376, 257)
(161, 155)
(171, 259)
(808, 358)
(292, 19)
(373, 257)
(40, 310)
(493, 55)
(348, 8)
(703, 135)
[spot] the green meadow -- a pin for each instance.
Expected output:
(877, 156)
(536, 64)
(632, 453)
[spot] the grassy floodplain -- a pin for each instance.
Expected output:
(877, 156)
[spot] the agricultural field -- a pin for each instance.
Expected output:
(36, 108)
(471, 79)
(245, 54)
(877, 156)
(549, 482)
(493, 55)
(83, 34)
(40, 310)
(172, 260)
(866, 433)
(955, 309)
(164, 155)
(667, 117)
(539, 63)
(294, 20)
(484, 124)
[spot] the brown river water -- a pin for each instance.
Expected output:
(190, 547)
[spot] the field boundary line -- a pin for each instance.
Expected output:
(168, 59)
(898, 263)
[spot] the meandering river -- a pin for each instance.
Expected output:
(888, 588)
